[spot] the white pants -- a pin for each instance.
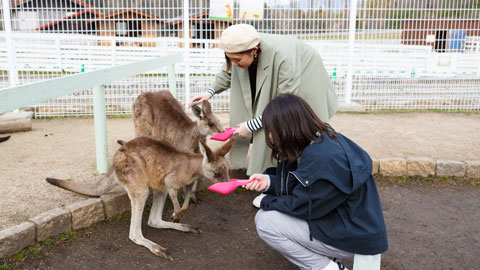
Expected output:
(291, 237)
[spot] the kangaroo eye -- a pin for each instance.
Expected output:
(210, 124)
(216, 175)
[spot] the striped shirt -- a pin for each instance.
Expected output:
(252, 124)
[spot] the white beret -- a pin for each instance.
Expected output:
(239, 38)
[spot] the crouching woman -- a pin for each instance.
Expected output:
(321, 205)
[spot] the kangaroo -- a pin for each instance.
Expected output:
(160, 115)
(149, 163)
(146, 163)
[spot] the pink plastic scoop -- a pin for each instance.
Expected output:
(228, 187)
(223, 136)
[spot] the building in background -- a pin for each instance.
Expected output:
(65, 16)
(444, 35)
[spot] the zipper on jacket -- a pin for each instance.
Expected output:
(281, 182)
(298, 179)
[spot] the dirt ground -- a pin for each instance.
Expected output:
(435, 227)
(430, 226)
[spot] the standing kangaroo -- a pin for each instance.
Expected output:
(146, 163)
(160, 115)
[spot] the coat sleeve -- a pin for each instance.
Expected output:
(324, 195)
(289, 76)
(271, 188)
(222, 81)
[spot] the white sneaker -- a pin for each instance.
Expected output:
(256, 202)
(332, 265)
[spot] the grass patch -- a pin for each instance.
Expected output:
(40, 249)
(389, 111)
(437, 181)
(147, 209)
(65, 236)
(475, 182)
(19, 256)
(122, 217)
(35, 252)
(121, 116)
(48, 242)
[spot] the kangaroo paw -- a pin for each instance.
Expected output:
(177, 216)
(196, 231)
(162, 252)
(194, 199)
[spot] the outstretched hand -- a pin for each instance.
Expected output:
(199, 99)
(261, 183)
(242, 130)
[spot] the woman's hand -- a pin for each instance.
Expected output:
(242, 130)
(199, 99)
(258, 182)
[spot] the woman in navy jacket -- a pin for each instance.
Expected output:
(321, 204)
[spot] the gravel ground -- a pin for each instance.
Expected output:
(65, 148)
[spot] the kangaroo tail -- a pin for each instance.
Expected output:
(102, 186)
(2, 139)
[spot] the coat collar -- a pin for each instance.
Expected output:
(263, 65)
(262, 73)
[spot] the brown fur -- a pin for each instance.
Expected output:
(160, 115)
(150, 163)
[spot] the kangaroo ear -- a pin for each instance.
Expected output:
(222, 151)
(206, 151)
(206, 108)
(197, 111)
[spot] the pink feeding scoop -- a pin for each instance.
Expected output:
(223, 136)
(228, 187)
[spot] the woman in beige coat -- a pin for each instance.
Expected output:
(258, 68)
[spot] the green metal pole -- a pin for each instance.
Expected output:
(100, 119)
(172, 83)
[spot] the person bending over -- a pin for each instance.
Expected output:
(259, 67)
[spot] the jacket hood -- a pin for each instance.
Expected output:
(339, 161)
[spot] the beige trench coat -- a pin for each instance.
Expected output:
(285, 65)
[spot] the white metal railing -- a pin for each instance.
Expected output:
(25, 95)
(382, 54)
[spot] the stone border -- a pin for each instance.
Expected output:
(422, 166)
(86, 213)
(60, 220)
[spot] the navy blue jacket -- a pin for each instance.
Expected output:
(331, 187)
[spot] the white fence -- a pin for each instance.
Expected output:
(405, 54)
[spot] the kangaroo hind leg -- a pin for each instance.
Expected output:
(138, 195)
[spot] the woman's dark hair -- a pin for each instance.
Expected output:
(229, 63)
(293, 126)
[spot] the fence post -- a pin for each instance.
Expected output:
(351, 47)
(113, 45)
(7, 24)
(172, 83)
(100, 119)
(186, 38)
